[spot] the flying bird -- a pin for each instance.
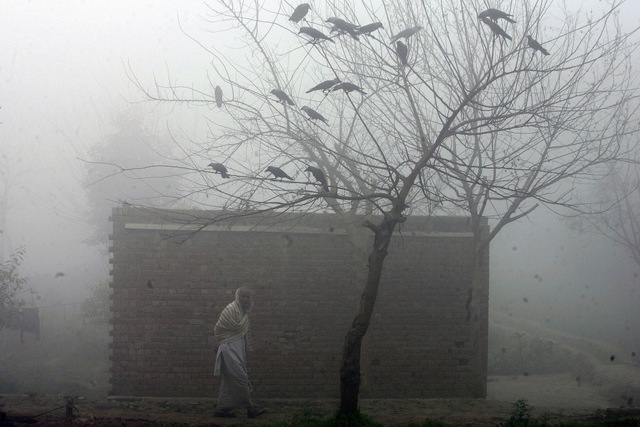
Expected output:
(344, 26)
(348, 87)
(406, 33)
(325, 86)
(278, 173)
(315, 35)
(300, 12)
(496, 14)
(403, 51)
(533, 44)
(218, 95)
(219, 168)
(495, 28)
(282, 97)
(370, 28)
(314, 115)
(319, 176)
(59, 274)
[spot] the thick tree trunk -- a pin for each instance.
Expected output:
(477, 314)
(350, 368)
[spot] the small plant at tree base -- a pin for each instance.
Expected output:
(351, 420)
(521, 411)
(521, 415)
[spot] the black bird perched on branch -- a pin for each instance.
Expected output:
(533, 44)
(325, 86)
(314, 115)
(495, 28)
(344, 26)
(319, 176)
(278, 173)
(403, 52)
(348, 87)
(282, 97)
(406, 33)
(496, 14)
(315, 35)
(218, 95)
(370, 28)
(300, 12)
(219, 168)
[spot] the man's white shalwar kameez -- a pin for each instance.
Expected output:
(231, 366)
(231, 360)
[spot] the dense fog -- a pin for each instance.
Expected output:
(66, 72)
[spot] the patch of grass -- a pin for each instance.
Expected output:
(306, 416)
(166, 425)
(362, 421)
(617, 423)
(431, 423)
(311, 419)
(356, 420)
(521, 416)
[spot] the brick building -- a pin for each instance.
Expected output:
(306, 274)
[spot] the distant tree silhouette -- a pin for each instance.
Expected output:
(126, 165)
(12, 285)
(614, 208)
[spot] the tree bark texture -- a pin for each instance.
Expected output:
(350, 367)
(477, 320)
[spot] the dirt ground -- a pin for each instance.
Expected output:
(556, 397)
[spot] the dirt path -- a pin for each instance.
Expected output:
(557, 397)
(549, 391)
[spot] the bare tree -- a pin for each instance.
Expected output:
(126, 164)
(540, 126)
(614, 208)
(438, 109)
(15, 166)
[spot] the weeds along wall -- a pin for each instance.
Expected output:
(172, 274)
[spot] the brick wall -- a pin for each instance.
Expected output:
(306, 275)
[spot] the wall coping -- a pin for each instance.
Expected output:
(192, 221)
(275, 229)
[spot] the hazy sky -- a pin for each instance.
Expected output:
(63, 75)
(62, 68)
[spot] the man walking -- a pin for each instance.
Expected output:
(231, 361)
